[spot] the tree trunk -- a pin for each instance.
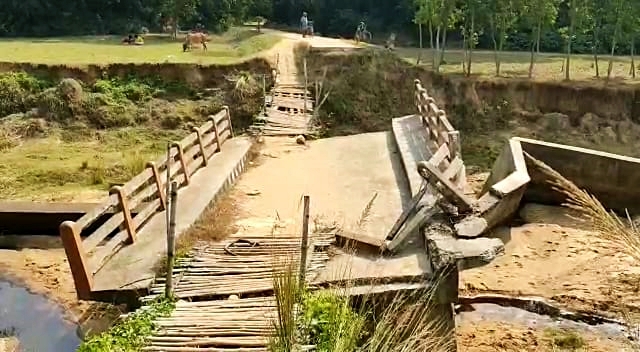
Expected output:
(431, 44)
(472, 44)
(495, 50)
(534, 45)
(420, 52)
(633, 61)
(465, 50)
(613, 50)
(567, 63)
(596, 46)
(443, 46)
(436, 64)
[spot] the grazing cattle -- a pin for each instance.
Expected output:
(195, 38)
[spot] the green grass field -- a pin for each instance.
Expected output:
(74, 166)
(231, 47)
(516, 65)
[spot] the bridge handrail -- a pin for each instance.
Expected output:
(442, 137)
(143, 195)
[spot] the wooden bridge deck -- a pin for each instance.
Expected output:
(239, 265)
(288, 110)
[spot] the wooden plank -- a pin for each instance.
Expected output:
(360, 238)
(407, 213)
(454, 168)
(414, 223)
(104, 253)
(93, 240)
(444, 186)
(91, 216)
(439, 156)
(189, 140)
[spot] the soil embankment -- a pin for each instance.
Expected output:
(201, 76)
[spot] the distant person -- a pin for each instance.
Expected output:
(304, 24)
(310, 28)
(127, 40)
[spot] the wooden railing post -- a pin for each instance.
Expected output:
(158, 181)
(72, 242)
(183, 162)
(124, 207)
(226, 108)
(217, 132)
(196, 130)
(454, 144)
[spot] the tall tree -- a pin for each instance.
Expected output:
(438, 16)
(632, 29)
(470, 12)
(502, 16)
(616, 20)
(577, 11)
(539, 15)
(178, 10)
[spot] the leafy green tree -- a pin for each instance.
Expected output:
(632, 29)
(502, 16)
(470, 12)
(617, 18)
(177, 11)
(438, 15)
(539, 15)
(578, 10)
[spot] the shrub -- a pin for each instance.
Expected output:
(15, 89)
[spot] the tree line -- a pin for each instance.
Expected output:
(566, 26)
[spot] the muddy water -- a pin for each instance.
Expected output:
(494, 312)
(37, 322)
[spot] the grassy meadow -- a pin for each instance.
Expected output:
(78, 165)
(514, 64)
(231, 47)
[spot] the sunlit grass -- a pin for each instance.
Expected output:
(63, 167)
(516, 64)
(232, 47)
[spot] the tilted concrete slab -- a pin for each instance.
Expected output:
(131, 268)
(411, 138)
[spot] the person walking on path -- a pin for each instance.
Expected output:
(304, 24)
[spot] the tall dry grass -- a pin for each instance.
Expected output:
(606, 224)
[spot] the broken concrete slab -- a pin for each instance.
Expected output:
(467, 253)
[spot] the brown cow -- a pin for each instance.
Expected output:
(197, 38)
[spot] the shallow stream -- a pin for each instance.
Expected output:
(38, 323)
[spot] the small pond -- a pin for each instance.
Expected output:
(37, 322)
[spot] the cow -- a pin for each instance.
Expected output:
(197, 38)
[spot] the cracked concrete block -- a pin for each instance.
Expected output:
(468, 253)
(471, 227)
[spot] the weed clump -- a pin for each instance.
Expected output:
(131, 333)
